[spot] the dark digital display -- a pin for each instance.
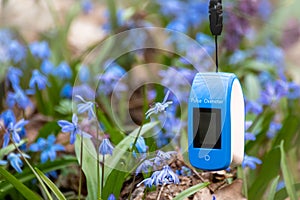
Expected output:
(207, 128)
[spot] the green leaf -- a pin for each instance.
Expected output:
(282, 194)
(272, 192)
(26, 175)
(51, 185)
(10, 148)
(191, 191)
(89, 164)
(270, 161)
(252, 86)
(287, 176)
(25, 191)
(64, 107)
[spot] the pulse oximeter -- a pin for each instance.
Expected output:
(216, 116)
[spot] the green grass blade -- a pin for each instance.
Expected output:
(272, 192)
(25, 191)
(287, 176)
(26, 175)
(282, 194)
(191, 191)
(51, 185)
(10, 148)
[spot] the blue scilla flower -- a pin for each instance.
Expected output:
(206, 42)
(238, 56)
(162, 157)
(66, 91)
(179, 25)
(47, 67)
(111, 197)
(13, 130)
(17, 51)
(13, 76)
(86, 106)
(273, 129)
(18, 97)
(63, 71)
(72, 128)
(15, 161)
(144, 167)
(38, 79)
(40, 50)
(273, 92)
(165, 176)
(106, 147)
(248, 135)
(294, 91)
(84, 90)
(47, 147)
(159, 107)
(8, 117)
(141, 145)
(84, 74)
(251, 162)
(253, 107)
(270, 53)
(86, 6)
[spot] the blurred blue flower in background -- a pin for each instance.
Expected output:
(38, 80)
(3, 162)
(84, 90)
(15, 161)
(106, 147)
(18, 97)
(253, 107)
(47, 147)
(84, 74)
(17, 51)
(8, 117)
(144, 167)
(273, 129)
(248, 135)
(13, 130)
(111, 197)
(40, 50)
(63, 71)
(47, 67)
(86, 6)
(251, 162)
(66, 91)
(13, 76)
(238, 56)
(273, 92)
(294, 91)
(109, 80)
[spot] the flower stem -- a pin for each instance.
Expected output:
(80, 167)
(98, 155)
(112, 15)
(102, 175)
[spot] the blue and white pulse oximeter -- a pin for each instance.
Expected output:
(216, 116)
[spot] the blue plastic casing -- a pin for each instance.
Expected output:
(211, 91)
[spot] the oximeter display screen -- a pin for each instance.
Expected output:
(207, 128)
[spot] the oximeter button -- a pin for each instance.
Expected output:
(207, 158)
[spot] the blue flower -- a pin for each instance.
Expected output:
(13, 76)
(47, 67)
(253, 107)
(8, 117)
(18, 97)
(40, 50)
(274, 92)
(37, 79)
(15, 161)
(106, 147)
(17, 51)
(251, 162)
(111, 197)
(162, 157)
(140, 145)
(273, 129)
(13, 130)
(72, 128)
(144, 167)
(165, 176)
(294, 91)
(63, 71)
(86, 6)
(84, 74)
(238, 56)
(248, 135)
(47, 147)
(66, 91)
(84, 90)
(86, 106)
(159, 107)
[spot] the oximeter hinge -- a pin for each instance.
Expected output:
(216, 17)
